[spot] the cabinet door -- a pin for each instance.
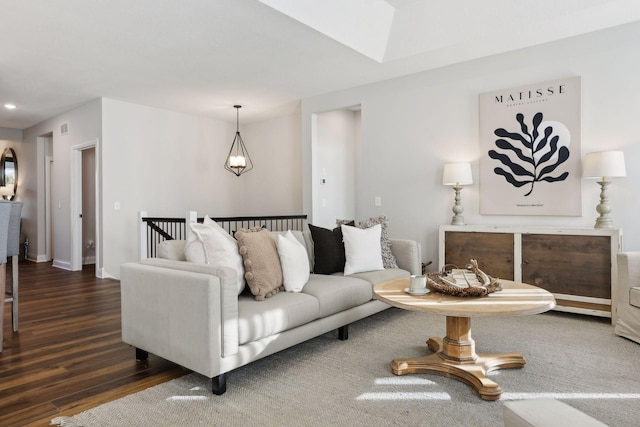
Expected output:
(494, 251)
(573, 265)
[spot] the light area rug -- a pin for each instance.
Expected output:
(326, 382)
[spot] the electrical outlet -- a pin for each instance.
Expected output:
(378, 201)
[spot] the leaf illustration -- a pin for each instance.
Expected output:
(537, 119)
(515, 168)
(557, 178)
(505, 145)
(563, 155)
(554, 148)
(503, 133)
(510, 178)
(531, 156)
(543, 141)
(523, 126)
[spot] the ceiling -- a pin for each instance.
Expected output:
(203, 56)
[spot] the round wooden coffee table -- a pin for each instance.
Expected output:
(455, 355)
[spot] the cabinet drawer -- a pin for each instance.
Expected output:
(572, 265)
(494, 251)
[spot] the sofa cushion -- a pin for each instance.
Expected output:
(337, 293)
(294, 262)
(362, 249)
(283, 311)
(328, 250)
(634, 296)
(209, 244)
(261, 262)
(375, 277)
(172, 249)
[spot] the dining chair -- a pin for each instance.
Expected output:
(5, 215)
(13, 251)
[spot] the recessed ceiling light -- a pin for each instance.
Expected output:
(10, 106)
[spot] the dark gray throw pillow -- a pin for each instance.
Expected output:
(328, 249)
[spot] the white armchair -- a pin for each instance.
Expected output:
(628, 323)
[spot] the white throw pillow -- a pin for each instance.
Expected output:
(294, 262)
(211, 244)
(362, 249)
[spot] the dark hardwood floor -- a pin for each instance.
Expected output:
(68, 355)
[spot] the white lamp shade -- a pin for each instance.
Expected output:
(457, 174)
(6, 191)
(609, 164)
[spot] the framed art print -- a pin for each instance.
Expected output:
(530, 152)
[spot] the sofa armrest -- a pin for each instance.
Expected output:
(628, 275)
(407, 253)
(188, 317)
(227, 275)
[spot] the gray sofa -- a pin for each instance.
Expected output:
(628, 299)
(192, 315)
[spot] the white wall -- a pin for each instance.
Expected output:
(85, 125)
(411, 126)
(167, 163)
(8, 134)
(274, 186)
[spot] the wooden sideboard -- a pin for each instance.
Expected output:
(577, 265)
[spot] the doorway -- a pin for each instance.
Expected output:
(48, 199)
(336, 140)
(85, 214)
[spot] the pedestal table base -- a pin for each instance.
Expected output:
(455, 357)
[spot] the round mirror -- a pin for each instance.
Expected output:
(8, 174)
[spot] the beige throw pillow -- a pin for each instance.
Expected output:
(261, 262)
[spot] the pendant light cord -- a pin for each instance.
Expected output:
(237, 107)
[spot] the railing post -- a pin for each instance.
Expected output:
(142, 236)
(191, 216)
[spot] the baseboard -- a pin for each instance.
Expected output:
(89, 259)
(102, 274)
(64, 265)
(38, 258)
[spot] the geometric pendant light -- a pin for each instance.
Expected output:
(238, 160)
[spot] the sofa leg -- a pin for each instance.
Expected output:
(141, 354)
(343, 333)
(219, 384)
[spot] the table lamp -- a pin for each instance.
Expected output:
(457, 175)
(604, 164)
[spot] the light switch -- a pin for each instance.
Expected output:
(116, 206)
(378, 201)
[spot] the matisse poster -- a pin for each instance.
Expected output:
(530, 156)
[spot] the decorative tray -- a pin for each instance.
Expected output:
(463, 282)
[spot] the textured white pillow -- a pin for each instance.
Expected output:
(211, 244)
(362, 249)
(294, 262)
